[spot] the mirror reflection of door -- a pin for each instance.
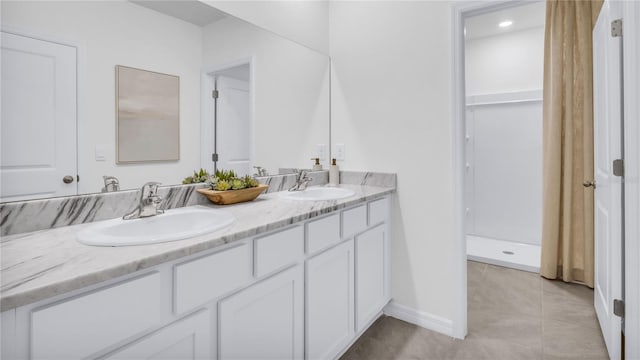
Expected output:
(38, 124)
(233, 116)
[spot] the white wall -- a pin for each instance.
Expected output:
(291, 91)
(306, 22)
(507, 62)
(120, 33)
(391, 108)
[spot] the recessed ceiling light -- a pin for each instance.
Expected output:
(505, 23)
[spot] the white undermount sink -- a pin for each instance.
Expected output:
(318, 194)
(176, 224)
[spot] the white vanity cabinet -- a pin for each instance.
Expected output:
(83, 325)
(186, 339)
(305, 291)
(373, 254)
(264, 321)
(371, 293)
(330, 302)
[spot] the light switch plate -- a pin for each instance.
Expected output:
(100, 154)
(339, 151)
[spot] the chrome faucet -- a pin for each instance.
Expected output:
(111, 183)
(149, 202)
(302, 180)
(260, 171)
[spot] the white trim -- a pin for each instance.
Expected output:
(459, 261)
(632, 176)
(419, 318)
(459, 11)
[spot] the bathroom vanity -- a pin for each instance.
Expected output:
(288, 280)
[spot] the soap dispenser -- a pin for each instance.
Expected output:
(317, 166)
(334, 174)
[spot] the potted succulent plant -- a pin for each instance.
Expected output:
(225, 187)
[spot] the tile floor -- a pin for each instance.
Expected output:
(512, 314)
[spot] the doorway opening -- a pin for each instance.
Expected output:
(227, 118)
(504, 53)
(462, 274)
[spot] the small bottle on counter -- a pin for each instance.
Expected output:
(334, 174)
(317, 166)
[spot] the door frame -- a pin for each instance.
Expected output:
(83, 158)
(459, 12)
(207, 109)
(632, 166)
(631, 110)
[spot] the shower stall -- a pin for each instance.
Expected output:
(504, 179)
(503, 176)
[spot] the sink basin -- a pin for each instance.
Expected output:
(176, 224)
(318, 194)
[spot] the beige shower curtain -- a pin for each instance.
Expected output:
(567, 222)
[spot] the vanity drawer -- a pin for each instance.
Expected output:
(323, 233)
(378, 211)
(79, 327)
(201, 280)
(354, 221)
(278, 250)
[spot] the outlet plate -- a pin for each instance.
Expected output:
(321, 151)
(339, 151)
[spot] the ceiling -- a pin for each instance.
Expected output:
(524, 17)
(192, 11)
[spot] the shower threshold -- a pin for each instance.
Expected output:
(504, 253)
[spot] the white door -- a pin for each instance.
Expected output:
(234, 135)
(266, 320)
(608, 198)
(330, 302)
(186, 339)
(38, 125)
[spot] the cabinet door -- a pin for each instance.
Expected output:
(186, 339)
(371, 279)
(80, 326)
(330, 305)
(264, 321)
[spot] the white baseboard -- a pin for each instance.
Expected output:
(419, 318)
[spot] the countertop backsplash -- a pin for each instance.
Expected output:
(33, 215)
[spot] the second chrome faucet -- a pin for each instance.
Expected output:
(302, 180)
(149, 204)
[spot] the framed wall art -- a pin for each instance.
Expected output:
(148, 116)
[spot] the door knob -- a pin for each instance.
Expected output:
(589, 183)
(67, 179)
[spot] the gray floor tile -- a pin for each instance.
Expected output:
(511, 315)
(565, 340)
(425, 344)
(523, 329)
(509, 291)
(480, 349)
(368, 348)
(569, 291)
(475, 274)
(579, 311)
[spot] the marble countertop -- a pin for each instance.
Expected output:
(42, 264)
